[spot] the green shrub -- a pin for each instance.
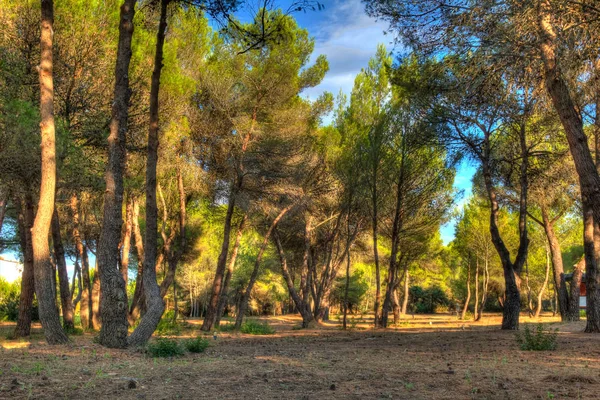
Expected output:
(226, 328)
(168, 325)
(164, 347)
(537, 339)
(256, 328)
(197, 345)
(427, 301)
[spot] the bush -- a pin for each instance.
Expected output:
(168, 325)
(226, 327)
(537, 339)
(256, 328)
(426, 301)
(197, 345)
(164, 347)
(9, 300)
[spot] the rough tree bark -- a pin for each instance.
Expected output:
(43, 269)
(224, 291)
(406, 290)
(25, 222)
(243, 305)
(63, 277)
(3, 204)
(113, 293)
(155, 305)
(589, 180)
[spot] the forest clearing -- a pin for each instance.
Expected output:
(299, 198)
(450, 359)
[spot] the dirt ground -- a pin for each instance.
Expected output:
(428, 357)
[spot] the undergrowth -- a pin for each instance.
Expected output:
(537, 339)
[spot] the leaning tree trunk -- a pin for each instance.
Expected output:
(307, 316)
(243, 304)
(113, 293)
(560, 285)
(25, 222)
(42, 265)
(406, 290)
(589, 180)
(224, 291)
(155, 305)
(85, 308)
(63, 277)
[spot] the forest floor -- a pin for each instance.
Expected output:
(428, 357)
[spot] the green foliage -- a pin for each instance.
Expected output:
(196, 345)
(256, 328)
(356, 289)
(427, 301)
(168, 325)
(226, 327)
(164, 347)
(537, 339)
(9, 300)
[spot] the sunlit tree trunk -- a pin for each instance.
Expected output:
(542, 291)
(43, 269)
(138, 295)
(113, 299)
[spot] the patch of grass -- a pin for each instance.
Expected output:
(257, 328)
(164, 347)
(537, 339)
(197, 345)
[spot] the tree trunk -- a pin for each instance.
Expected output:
(211, 311)
(347, 285)
(96, 295)
(377, 304)
(3, 204)
(589, 180)
(300, 306)
(243, 305)
(155, 305)
(484, 292)
(25, 222)
(406, 290)
(540, 296)
(224, 291)
(396, 306)
(476, 309)
(174, 257)
(468, 299)
(573, 311)
(138, 294)
(43, 269)
(63, 277)
(113, 300)
(85, 309)
(126, 247)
